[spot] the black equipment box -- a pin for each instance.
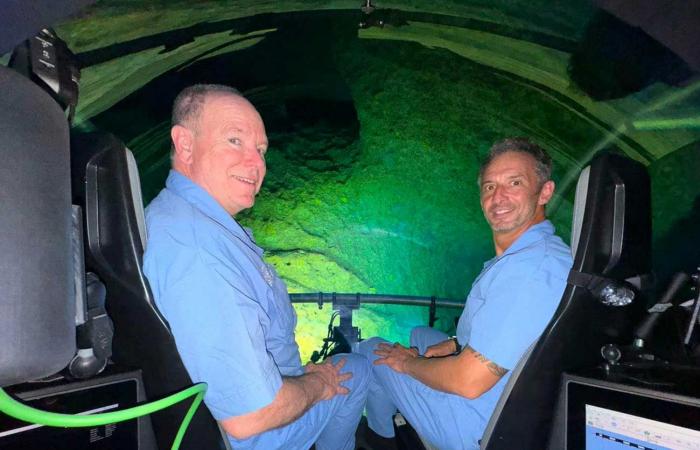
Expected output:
(104, 393)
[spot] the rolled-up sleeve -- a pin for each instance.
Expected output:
(518, 305)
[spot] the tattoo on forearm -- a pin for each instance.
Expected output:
(492, 366)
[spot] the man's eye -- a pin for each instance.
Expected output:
(488, 188)
(235, 141)
(516, 183)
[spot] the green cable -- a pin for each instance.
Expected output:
(20, 411)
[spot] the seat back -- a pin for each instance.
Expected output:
(37, 305)
(137, 197)
(614, 242)
(515, 374)
(114, 251)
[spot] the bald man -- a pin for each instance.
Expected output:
(228, 310)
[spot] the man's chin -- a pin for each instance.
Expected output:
(503, 227)
(248, 204)
(238, 207)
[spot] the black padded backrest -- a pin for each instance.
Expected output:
(37, 305)
(114, 252)
(615, 241)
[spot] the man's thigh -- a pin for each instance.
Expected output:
(303, 432)
(445, 420)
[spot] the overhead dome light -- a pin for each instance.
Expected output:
(370, 20)
(367, 7)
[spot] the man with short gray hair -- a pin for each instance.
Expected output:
(228, 310)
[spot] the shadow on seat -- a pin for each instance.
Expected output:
(106, 189)
(611, 239)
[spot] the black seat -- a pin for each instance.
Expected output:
(37, 305)
(614, 243)
(114, 250)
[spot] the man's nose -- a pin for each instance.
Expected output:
(254, 157)
(498, 193)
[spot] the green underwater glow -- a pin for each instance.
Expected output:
(667, 123)
(376, 135)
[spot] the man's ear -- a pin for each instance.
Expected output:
(546, 193)
(182, 141)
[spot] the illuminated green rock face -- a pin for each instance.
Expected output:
(376, 141)
(402, 215)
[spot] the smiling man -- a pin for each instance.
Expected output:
(447, 388)
(228, 310)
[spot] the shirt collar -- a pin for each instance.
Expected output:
(533, 234)
(194, 194)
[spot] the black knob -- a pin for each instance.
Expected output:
(611, 353)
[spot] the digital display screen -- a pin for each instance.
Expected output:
(613, 430)
(603, 415)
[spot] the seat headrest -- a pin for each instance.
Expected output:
(135, 183)
(611, 232)
(579, 208)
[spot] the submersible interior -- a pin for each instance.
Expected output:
(377, 123)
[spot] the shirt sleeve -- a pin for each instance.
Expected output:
(518, 305)
(216, 322)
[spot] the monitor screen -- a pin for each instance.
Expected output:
(613, 430)
(604, 415)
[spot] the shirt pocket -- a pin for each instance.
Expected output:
(471, 308)
(279, 298)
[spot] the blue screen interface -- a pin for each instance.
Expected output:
(612, 430)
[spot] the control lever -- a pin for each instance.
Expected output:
(696, 308)
(643, 331)
(615, 355)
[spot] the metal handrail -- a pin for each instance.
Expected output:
(325, 297)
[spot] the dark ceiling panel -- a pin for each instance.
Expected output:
(21, 19)
(674, 23)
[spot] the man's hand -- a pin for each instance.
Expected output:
(444, 348)
(330, 377)
(395, 356)
(295, 397)
(468, 374)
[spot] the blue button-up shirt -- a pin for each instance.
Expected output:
(228, 310)
(512, 301)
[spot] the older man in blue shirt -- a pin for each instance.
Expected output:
(228, 310)
(447, 388)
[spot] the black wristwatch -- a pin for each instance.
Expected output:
(458, 348)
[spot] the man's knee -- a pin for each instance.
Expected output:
(417, 334)
(424, 337)
(367, 347)
(361, 370)
(379, 372)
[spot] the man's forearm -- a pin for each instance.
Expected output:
(298, 395)
(442, 374)
(293, 399)
(468, 374)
